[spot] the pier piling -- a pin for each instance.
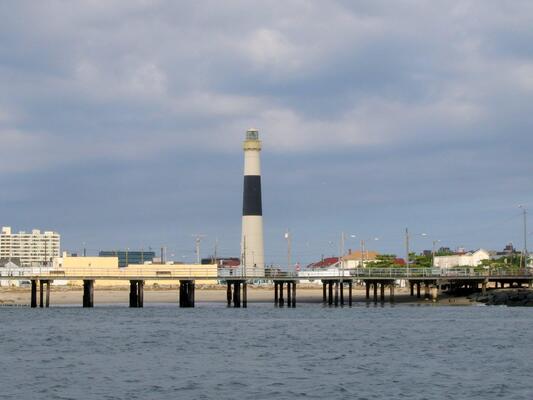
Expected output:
(293, 294)
(244, 295)
(47, 294)
(186, 295)
(228, 293)
(41, 293)
(350, 297)
(33, 302)
(88, 293)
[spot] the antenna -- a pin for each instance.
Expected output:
(197, 240)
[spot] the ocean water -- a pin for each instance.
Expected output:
(311, 352)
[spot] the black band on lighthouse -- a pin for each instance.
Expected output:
(251, 204)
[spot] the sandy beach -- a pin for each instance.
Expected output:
(262, 294)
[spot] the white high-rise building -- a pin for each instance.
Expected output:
(30, 248)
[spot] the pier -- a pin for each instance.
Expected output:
(337, 290)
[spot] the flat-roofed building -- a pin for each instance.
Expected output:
(31, 248)
(126, 257)
(467, 259)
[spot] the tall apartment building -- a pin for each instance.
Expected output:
(31, 248)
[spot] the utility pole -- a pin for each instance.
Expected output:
(524, 251)
(342, 256)
(216, 251)
(198, 240)
(407, 250)
(362, 253)
(433, 253)
(289, 249)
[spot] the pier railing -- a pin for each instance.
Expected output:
(212, 273)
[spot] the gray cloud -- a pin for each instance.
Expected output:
(375, 115)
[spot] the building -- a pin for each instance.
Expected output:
(222, 262)
(126, 257)
(252, 247)
(31, 248)
(324, 263)
(356, 259)
(468, 259)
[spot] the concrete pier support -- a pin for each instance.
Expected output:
(434, 293)
(350, 296)
(88, 293)
(228, 293)
(47, 293)
(140, 294)
(281, 301)
(136, 293)
(341, 283)
(33, 301)
(237, 294)
(382, 292)
(418, 290)
(391, 292)
(330, 292)
(426, 291)
(289, 294)
(375, 292)
(244, 295)
(133, 294)
(293, 294)
(412, 288)
(324, 290)
(367, 287)
(41, 293)
(276, 285)
(336, 293)
(484, 288)
(186, 295)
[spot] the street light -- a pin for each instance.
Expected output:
(289, 244)
(433, 252)
(407, 237)
(524, 252)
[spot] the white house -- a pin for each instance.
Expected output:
(469, 259)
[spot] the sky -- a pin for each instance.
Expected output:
(121, 122)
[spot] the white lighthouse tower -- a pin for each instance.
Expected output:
(253, 256)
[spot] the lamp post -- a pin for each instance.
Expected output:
(289, 248)
(433, 252)
(524, 251)
(407, 238)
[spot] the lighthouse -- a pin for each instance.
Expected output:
(253, 256)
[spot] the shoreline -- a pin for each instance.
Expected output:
(10, 296)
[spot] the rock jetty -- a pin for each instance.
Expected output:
(507, 297)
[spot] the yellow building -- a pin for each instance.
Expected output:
(106, 272)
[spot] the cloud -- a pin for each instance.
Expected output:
(389, 87)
